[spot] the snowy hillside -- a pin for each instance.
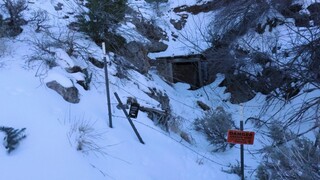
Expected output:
(73, 141)
(50, 149)
(53, 126)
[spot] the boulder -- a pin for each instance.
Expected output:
(136, 53)
(70, 94)
(203, 106)
(96, 62)
(179, 24)
(156, 47)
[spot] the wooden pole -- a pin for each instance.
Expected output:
(129, 119)
(107, 83)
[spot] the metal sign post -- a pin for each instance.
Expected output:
(241, 137)
(241, 146)
(107, 82)
(242, 153)
(128, 117)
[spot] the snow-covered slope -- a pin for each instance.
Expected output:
(190, 38)
(50, 149)
(54, 127)
(73, 141)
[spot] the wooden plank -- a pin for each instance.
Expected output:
(144, 109)
(200, 74)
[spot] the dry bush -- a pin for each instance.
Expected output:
(85, 138)
(44, 54)
(39, 20)
(297, 160)
(215, 126)
(11, 26)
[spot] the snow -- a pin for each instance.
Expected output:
(191, 38)
(59, 77)
(52, 125)
(49, 152)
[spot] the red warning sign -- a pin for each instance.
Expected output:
(240, 137)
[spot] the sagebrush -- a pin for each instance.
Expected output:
(85, 138)
(215, 126)
(289, 156)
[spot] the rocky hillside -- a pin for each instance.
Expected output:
(262, 64)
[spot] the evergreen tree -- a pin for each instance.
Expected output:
(13, 137)
(101, 20)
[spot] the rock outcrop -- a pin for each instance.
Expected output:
(70, 94)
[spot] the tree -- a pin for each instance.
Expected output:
(101, 19)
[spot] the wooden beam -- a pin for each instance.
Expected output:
(170, 72)
(200, 79)
(144, 109)
(182, 60)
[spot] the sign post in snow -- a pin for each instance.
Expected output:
(128, 117)
(241, 137)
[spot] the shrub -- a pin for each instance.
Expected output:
(85, 138)
(278, 134)
(215, 126)
(13, 137)
(45, 53)
(289, 157)
(233, 169)
(11, 26)
(297, 161)
(39, 20)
